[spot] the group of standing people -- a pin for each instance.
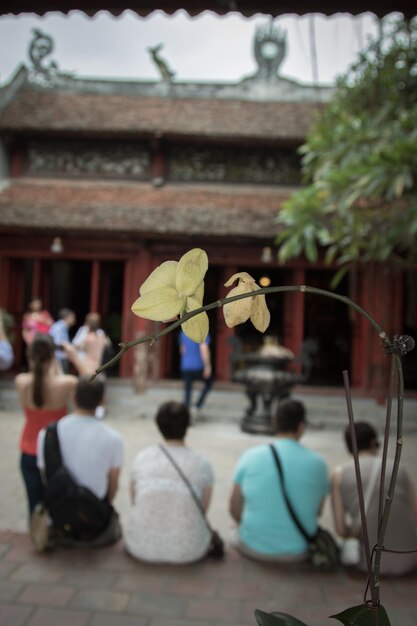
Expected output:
(90, 340)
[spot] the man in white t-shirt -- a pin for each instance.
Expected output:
(91, 451)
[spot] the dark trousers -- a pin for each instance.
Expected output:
(189, 377)
(32, 479)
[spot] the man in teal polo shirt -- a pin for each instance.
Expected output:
(266, 529)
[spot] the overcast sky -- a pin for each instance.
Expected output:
(208, 47)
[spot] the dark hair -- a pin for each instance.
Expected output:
(366, 437)
(93, 321)
(290, 414)
(40, 351)
(173, 419)
(88, 395)
(65, 313)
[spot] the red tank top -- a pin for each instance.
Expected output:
(36, 419)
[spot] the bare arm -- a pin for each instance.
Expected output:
(113, 479)
(205, 501)
(80, 364)
(206, 357)
(337, 505)
(236, 503)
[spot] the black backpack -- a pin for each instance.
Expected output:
(75, 510)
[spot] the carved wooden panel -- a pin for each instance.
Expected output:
(234, 164)
(89, 159)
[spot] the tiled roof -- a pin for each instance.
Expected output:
(37, 110)
(213, 210)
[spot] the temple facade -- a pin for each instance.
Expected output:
(101, 181)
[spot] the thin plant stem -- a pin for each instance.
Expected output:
(124, 346)
(386, 441)
(396, 465)
(359, 484)
(372, 564)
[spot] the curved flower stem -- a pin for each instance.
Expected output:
(398, 450)
(364, 525)
(219, 303)
(396, 361)
(386, 440)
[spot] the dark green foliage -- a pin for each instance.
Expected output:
(276, 619)
(360, 163)
(363, 615)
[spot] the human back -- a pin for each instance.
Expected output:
(266, 524)
(402, 523)
(90, 449)
(266, 529)
(44, 394)
(165, 523)
(81, 459)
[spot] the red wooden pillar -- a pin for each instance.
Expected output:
(294, 308)
(136, 270)
(387, 312)
(361, 286)
(223, 348)
(95, 286)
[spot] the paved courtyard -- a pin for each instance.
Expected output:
(107, 588)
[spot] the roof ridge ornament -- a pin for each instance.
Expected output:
(270, 48)
(166, 73)
(42, 72)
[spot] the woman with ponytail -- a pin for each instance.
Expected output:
(44, 394)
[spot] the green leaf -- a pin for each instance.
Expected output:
(363, 615)
(276, 619)
(338, 276)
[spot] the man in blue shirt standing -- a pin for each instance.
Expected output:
(266, 529)
(59, 332)
(195, 365)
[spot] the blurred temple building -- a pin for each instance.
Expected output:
(102, 180)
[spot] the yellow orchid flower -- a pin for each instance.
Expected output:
(175, 288)
(240, 311)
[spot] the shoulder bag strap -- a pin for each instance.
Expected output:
(291, 511)
(189, 486)
(52, 451)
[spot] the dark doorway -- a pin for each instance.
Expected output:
(327, 331)
(251, 339)
(70, 287)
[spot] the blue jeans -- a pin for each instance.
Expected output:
(189, 377)
(32, 479)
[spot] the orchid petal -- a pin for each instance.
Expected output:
(162, 276)
(159, 304)
(199, 293)
(197, 327)
(243, 277)
(239, 311)
(260, 316)
(191, 270)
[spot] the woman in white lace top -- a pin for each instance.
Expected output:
(165, 524)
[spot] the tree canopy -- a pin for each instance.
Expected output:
(359, 163)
